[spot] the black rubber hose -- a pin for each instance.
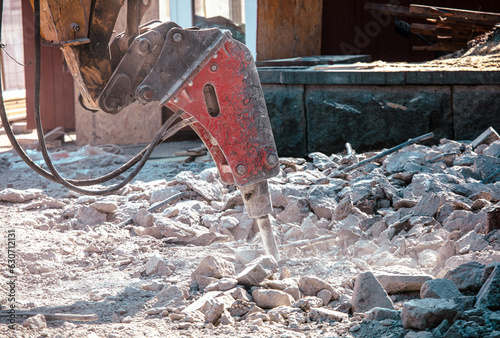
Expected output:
(162, 135)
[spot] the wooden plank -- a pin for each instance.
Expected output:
(290, 30)
(486, 18)
(442, 32)
(406, 12)
(423, 29)
(461, 28)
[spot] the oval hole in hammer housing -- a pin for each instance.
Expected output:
(211, 100)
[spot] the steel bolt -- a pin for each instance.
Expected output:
(143, 45)
(272, 159)
(147, 94)
(75, 27)
(177, 37)
(240, 169)
(248, 57)
(214, 67)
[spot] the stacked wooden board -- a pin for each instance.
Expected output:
(15, 106)
(446, 29)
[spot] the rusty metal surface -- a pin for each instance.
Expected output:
(103, 20)
(135, 11)
(64, 21)
(134, 66)
(182, 56)
(240, 136)
(257, 199)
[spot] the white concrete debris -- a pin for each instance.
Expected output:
(416, 224)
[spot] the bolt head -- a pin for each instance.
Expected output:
(177, 37)
(240, 169)
(75, 27)
(144, 45)
(248, 57)
(147, 94)
(272, 159)
(214, 68)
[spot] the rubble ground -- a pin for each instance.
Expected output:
(407, 246)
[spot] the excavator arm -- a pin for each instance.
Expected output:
(204, 76)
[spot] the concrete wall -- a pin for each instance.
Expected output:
(321, 111)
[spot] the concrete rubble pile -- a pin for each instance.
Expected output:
(419, 231)
(423, 207)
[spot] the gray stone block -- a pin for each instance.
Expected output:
(475, 108)
(467, 277)
(374, 117)
(368, 294)
(439, 288)
(421, 314)
(489, 295)
(285, 105)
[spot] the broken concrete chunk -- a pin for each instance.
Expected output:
(393, 283)
(203, 281)
(19, 196)
(321, 202)
(467, 277)
(427, 258)
(439, 288)
(311, 285)
(269, 298)
(487, 271)
(258, 270)
(107, 207)
(306, 303)
(144, 218)
(396, 162)
(171, 296)
(493, 149)
(293, 291)
(226, 284)
(296, 210)
(321, 161)
(209, 191)
(157, 266)
(326, 315)
(421, 314)
(428, 205)
(489, 295)
(487, 137)
(325, 295)
(90, 216)
(194, 317)
(245, 256)
(226, 318)
(368, 293)
(163, 194)
(214, 308)
(378, 313)
(200, 302)
(343, 209)
(308, 228)
(36, 322)
(472, 241)
(240, 307)
(214, 266)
